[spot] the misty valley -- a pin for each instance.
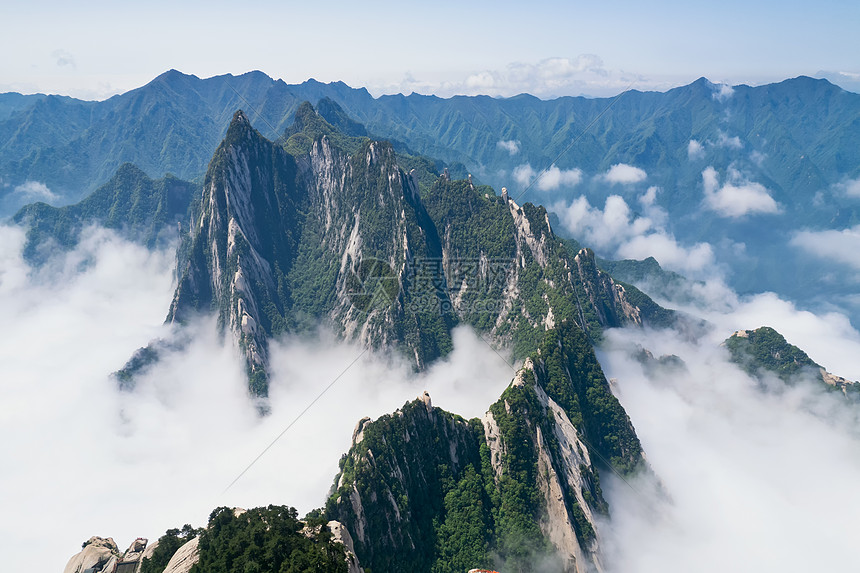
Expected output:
(262, 327)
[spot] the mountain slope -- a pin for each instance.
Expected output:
(246, 234)
(425, 490)
(285, 241)
(142, 209)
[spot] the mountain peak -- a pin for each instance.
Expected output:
(765, 349)
(335, 115)
(129, 169)
(173, 77)
(240, 117)
(305, 112)
(240, 127)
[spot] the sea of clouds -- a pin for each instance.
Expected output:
(751, 478)
(81, 458)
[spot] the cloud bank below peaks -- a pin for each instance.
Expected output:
(165, 452)
(736, 465)
(736, 459)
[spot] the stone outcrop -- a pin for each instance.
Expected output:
(341, 535)
(184, 558)
(267, 215)
(98, 553)
(101, 554)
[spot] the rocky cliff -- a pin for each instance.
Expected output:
(510, 275)
(422, 489)
(100, 554)
(326, 228)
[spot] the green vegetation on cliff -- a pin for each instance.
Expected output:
(421, 508)
(519, 504)
(267, 540)
(288, 235)
(141, 208)
(568, 370)
(766, 349)
(167, 546)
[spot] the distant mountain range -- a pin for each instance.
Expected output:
(743, 169)
(803, 129)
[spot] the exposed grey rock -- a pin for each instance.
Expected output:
(341, 535)
(184, 558)
(97, 553)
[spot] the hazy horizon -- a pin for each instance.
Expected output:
(547, 48)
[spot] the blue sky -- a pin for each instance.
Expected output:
(94, 49)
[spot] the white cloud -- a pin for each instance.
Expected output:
(64, 58)
(729, 142)
(734, 460)
(555, 178)
(523, 174)
(616, 232)
(735, 464)
(30, 191)
(165, 452)
(550, 180)
(668, 252)
(849, 187)
(624, 174)
(737, 197)
(722, 92)
(849, 81)
(695, 150)
(839, 245)
(828, 338)
(512, 146)
(649, 198)
(548, 78)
